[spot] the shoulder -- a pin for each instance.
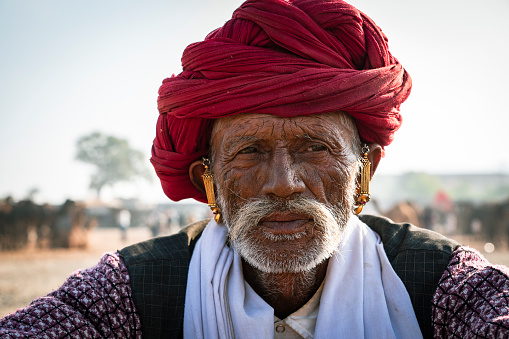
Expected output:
(403, 237)
(472, 297)
(174, 247)
(88, 302)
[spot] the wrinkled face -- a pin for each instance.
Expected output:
(285, 186)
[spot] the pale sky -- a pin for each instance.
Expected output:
(68, 68)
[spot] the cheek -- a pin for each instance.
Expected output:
(240, 184)
(328, 182)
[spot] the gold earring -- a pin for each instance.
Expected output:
(208, 181)
(362, 196)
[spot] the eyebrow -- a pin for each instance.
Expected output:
(327, 138)
(231, 142)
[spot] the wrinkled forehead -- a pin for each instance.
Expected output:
(336, 126)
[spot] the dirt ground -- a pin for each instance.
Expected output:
(27, 274)
(31, 273)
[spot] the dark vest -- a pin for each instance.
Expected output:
(158, 272)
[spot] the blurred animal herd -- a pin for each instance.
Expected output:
(68, 225)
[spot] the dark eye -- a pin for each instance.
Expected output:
(249, 150)
(316, 148)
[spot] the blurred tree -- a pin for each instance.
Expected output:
(114, 159)
(32, 193)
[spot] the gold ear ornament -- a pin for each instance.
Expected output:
(208, 181)
(362, 196)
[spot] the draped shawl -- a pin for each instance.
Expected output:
(281, 57)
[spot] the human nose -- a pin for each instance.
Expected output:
(282, 178)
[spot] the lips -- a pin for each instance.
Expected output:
(285, 222)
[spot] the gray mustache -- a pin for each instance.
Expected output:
(253, 211)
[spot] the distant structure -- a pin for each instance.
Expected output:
(421, 188)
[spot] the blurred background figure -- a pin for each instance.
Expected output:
(124, 221)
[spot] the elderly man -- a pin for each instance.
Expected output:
(279, 121)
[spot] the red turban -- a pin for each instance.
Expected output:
(280, 57)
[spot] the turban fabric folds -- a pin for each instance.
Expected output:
(279, 57)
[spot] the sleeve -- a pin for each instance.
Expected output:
(472, 299)
(92, 303)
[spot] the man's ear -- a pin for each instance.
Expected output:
(374, 156)
(196, 170)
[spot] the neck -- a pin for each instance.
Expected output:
(285, 292)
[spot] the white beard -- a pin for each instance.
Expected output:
(327, 231)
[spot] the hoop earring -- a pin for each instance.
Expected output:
(362, 196)
(208, 181)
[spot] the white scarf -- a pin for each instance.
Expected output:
(362, 295)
